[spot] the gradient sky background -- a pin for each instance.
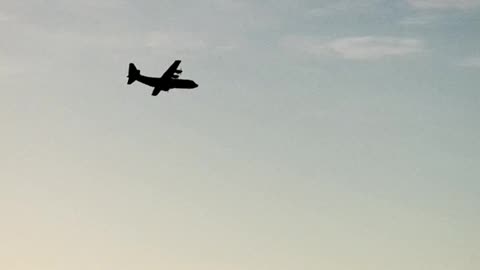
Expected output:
(336, 135)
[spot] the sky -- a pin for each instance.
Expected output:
(337, 135)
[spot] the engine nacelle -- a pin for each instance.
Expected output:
(175, 76)
(178, 71)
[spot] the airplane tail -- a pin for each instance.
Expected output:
(133, 73)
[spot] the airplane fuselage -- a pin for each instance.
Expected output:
(166, 83)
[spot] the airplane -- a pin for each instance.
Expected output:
(169, 79)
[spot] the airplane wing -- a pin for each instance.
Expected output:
(156, 90)
(171, 70)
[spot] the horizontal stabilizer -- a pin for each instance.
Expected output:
(133, 73)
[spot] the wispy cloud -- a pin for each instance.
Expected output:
(229, 4)
(175, 41)
(335, 7)
(357, 48)
(4, 17)
(419, 20)
(472, 62)
(444, 4)
(184, 43)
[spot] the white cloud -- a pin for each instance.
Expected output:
(172, 42)
(4, 17)
(472, 62)
(175, 42)
(226, 48)
(419, 20)
(357, 48)
(444, 4)
(88, 4)
(341, 6)
(229, 4)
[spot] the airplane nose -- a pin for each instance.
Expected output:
(195, 85)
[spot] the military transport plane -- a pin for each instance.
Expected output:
(169, 79)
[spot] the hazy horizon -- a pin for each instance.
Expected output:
(337, 135)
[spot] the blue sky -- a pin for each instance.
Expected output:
(323, 135)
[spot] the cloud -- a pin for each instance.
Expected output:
(342, 6)
(175, 42)
(419, 20)
(356, 48)
(444, 4)
(4, 17)
(472, 62)
(229, 4)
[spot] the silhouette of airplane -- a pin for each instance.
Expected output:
(169, 79)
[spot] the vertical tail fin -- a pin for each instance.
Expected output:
(133, 73)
